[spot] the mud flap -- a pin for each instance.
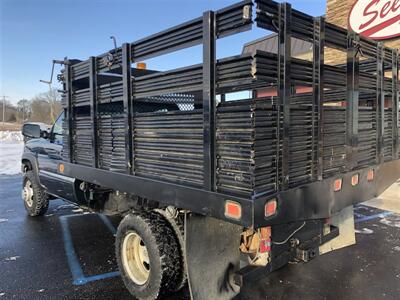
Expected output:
(212, 256)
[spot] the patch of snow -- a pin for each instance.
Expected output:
(12, 258)
(41, 291)
(397, 248)
(364, 231)
(2, 294)
(11, 148)
(392, 221)
(11, 136)
(3, 220)
(79, 210)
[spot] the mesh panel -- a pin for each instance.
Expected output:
(110, 108)
(170, 102)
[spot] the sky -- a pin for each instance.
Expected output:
(34, 32)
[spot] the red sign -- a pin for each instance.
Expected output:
(376, 19)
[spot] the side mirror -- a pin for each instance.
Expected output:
(31, 131)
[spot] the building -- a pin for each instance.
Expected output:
(374, 16)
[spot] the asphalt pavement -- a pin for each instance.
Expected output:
(69, 254)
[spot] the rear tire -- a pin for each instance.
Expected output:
(148, 255)
(35, 198)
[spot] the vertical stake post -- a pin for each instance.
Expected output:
(284, 86)
(380, 105)
(318, 86)
(209, 93)
(69, 113)
(127, 96)
(93, 109)
(395, 103)
(352, 100)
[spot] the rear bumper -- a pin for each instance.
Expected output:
(316, 200)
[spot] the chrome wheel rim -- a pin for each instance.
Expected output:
(27, 193)
(135, 258)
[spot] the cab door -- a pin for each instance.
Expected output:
(49, 158)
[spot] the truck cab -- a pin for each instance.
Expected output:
(41, 156)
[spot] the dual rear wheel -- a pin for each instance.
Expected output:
(148, 250)
(149, 255)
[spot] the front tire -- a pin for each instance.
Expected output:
(35, 198)
(148, 255)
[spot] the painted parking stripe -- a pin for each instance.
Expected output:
(76, 270)
(74, 266)
(358, 216)
(85, 280)
(372, 217)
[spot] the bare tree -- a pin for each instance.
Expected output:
(9, 111)
(24, 110)
(45, 107)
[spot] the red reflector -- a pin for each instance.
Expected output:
(270, 208)
(337, 185)
(265, 239)
(370, 175)
(233, 210)
(354, 180)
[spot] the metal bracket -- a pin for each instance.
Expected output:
(110, 57)
(246, 12)
(358, 48)
(60, 62)
(306, 255)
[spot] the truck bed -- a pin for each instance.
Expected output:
(173, 137)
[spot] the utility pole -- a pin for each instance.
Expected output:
(4, 108)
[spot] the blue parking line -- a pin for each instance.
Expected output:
(359, 215)
(73, 262)
(372, 217)
(76, 270)
(85, 280)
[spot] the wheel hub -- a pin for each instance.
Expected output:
(135, 258)
(27, 193)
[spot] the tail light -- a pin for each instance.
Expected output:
(337, 185)
(270, 208)
(233, 210)
(354, 180)
(370, 175)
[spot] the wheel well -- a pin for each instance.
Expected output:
(27, 165)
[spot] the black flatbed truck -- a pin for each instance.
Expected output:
(216, 191)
